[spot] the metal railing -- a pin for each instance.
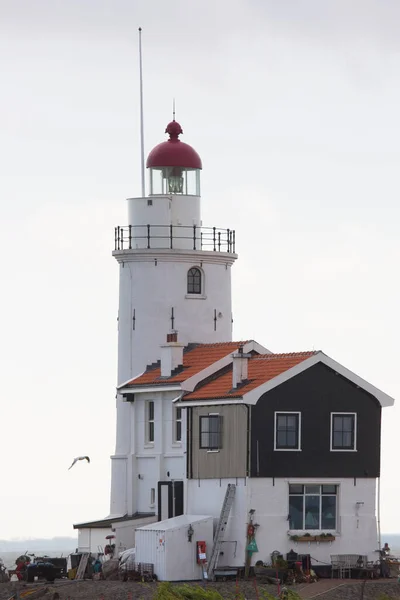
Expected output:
(133, 237)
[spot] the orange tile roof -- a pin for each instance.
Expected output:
(196, 357)
(261, 368)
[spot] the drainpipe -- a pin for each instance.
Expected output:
(378, 519)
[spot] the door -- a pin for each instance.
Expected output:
(170, 499)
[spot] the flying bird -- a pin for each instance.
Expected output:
(79, 458)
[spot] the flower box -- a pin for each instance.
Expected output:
(312, 538)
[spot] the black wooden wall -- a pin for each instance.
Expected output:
(316, 393)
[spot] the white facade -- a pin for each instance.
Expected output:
(356, 531)
(92, 539)
(162, 241)
(169, 547)
(146, 463)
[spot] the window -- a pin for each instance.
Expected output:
(194, 281)
(211, 432)
(287, 430)
(152, 496)
(178, 425)
(343, 431)
(312, 506)
(150, 422)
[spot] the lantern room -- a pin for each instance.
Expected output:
(174, 166)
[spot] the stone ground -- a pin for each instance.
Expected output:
(325, 589)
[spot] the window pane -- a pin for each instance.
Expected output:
(337, 439)
(292, 422)
(178, 431)
(328, 516)
(296, 511)
(337, 423)
(214, 440)
(151, 431)
(179, 413)
(213, 424)
(313, 489)
(151, 411)
(281, 439)
(348, 423)
(204, 440)
(204, 425)
(329, 489)
(311, 512)
(347, 437)
(291, 439)
(295, 488)
(281, 422)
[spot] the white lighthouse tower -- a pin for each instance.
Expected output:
(175, 276)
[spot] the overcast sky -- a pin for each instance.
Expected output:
(293, 106)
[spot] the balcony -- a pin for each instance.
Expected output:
(174, 237)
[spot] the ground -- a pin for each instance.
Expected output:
(325, 589)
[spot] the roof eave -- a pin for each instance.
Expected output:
(253, 396)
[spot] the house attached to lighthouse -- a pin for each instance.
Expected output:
(297, 435)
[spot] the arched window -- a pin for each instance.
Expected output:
(194, 281)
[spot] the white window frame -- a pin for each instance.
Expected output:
(175, 420)
(209, 450)
(287, 412)
(147, 421)
(201, 295)
(355, 432)
(314, 483)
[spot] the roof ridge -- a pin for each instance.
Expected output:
(284, 355)
(213, 344)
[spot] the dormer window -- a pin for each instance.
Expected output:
(194, 281)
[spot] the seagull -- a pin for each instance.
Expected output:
(79, 458)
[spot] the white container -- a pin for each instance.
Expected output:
(166, 545)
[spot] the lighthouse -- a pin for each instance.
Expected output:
(174, 283)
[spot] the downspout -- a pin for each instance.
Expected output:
(378, 519)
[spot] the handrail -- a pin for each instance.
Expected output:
(132, 237)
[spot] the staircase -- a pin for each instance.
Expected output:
(82, 566)
(220, 532)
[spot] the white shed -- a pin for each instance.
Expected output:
(171, 546)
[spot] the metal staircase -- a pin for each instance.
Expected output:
(220, 531)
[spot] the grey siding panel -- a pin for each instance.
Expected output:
(231, 459)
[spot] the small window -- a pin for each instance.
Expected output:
(149, 422)
(178, 425)
(194, 281)
(152, 496)
(343, 431)
(211, 432)
(287, 431)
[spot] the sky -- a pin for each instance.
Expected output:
(293, 108)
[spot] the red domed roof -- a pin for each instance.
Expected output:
(174, 153)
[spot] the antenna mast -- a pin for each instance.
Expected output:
(141, 113)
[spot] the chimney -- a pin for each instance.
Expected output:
(240, 364)
(171, 354)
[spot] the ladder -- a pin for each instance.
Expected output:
(82, 566)
(220, 531)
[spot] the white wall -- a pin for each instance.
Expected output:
(169, 549)
(206, 496)
(89, 539)
(355, 534)
(145, 464)
(125, 532)
(151, 283)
